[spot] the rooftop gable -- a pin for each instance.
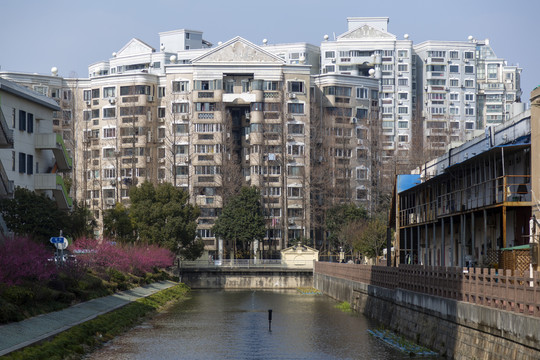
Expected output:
(366, 32)
(238, 50)
(135, 47)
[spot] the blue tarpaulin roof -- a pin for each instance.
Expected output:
(522, 140)
(405, 182)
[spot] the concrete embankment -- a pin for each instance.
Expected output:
(455, 329)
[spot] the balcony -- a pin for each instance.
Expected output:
(55, 143)
(6, 134)
(55, 183)
(6, 186)
(510, 190)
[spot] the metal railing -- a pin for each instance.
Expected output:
(481, 286)
(509, 188)
(247, 264)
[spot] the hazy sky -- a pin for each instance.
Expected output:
(36, 35)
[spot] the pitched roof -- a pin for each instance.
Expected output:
(21, 91)
(238, 50)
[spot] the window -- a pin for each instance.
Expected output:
(454, 54)
(469, 97)
(454, 82)
(182, 170)
(295, 108)
(22, 120)
(161, 112)
(469, 69)
(492, 71)
(436, 53)
(109, 133)
(361, 174)
(109, 92)
(109, 112)
(469, 111)
(361, 113)
(295, 149)
(403, 53)
(180, 149)
(469, 126)
(207, 106)
(454, 68)
(454, 96)
(337, 90)
(296, 86)
(329, 68)
(403, 138)
(454, 110)
(361, 194)
(469, 83)
(295, 170)
(270, 86)
(403, 110)
(180, 108)
(361, 93)
(207, 85)
(295, 129)
(161, 91)
(468, 55)
(181, 128)
(87, 95)
(95, 113)
(22, 163)
(403, 82)
(30, 122)
(329, 54)
(135, 90)
(179, 86)
(403, 67)
(403, 124)
(41, 89)
(108, 153)
(95, 93)
(109, 174)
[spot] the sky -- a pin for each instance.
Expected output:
(36, 35)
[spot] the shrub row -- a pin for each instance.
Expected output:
(88, 336)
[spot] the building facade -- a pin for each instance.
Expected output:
(32, 156)
(311, 126)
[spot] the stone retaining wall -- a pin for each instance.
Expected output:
(455, 329)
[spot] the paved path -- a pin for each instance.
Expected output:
(17, 335)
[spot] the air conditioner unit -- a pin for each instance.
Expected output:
(400, 73)
(247, 157)
(185, 117)
(290, 117)
(291, 222)
(292, 96)
(465, 60)
(248, 115)
(88, 102)
(248, 178)
(161, 120)
(109, 202)
(354, 120)
(247, 137)
(359, 141)
(334, 61)
(150, 98)
(162, 161)
(290, 138)
(148, 159)
(112, 101)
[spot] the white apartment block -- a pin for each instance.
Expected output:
(32, 156)
(368, 49)
(276, 116)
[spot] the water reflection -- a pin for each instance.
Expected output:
(234, 325)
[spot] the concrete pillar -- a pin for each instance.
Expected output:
(451, 258)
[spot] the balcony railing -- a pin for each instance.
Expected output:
(511, 189)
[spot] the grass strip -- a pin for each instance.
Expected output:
(83, 338)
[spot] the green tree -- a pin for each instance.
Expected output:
(117, 224)
(372, 239)
(33, 215)
(242, 220)
(81, 222)
(162, 215)
(338, 217)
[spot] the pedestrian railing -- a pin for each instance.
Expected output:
(482, 286)
(247, 264)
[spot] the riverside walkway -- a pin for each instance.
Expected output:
(15, 336)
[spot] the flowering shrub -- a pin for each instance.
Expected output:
(127, 258)
(23, 259)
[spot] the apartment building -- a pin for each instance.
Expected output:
(474, 200)
(296, 120)
(368, 49)
(32, 156)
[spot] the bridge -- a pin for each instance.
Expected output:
(246, 274)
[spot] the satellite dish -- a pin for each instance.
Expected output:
(54, 70)
(172, 59)
(406, 36)
(265, 41)
(326, 37)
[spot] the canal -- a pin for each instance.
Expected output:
(234, 325)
